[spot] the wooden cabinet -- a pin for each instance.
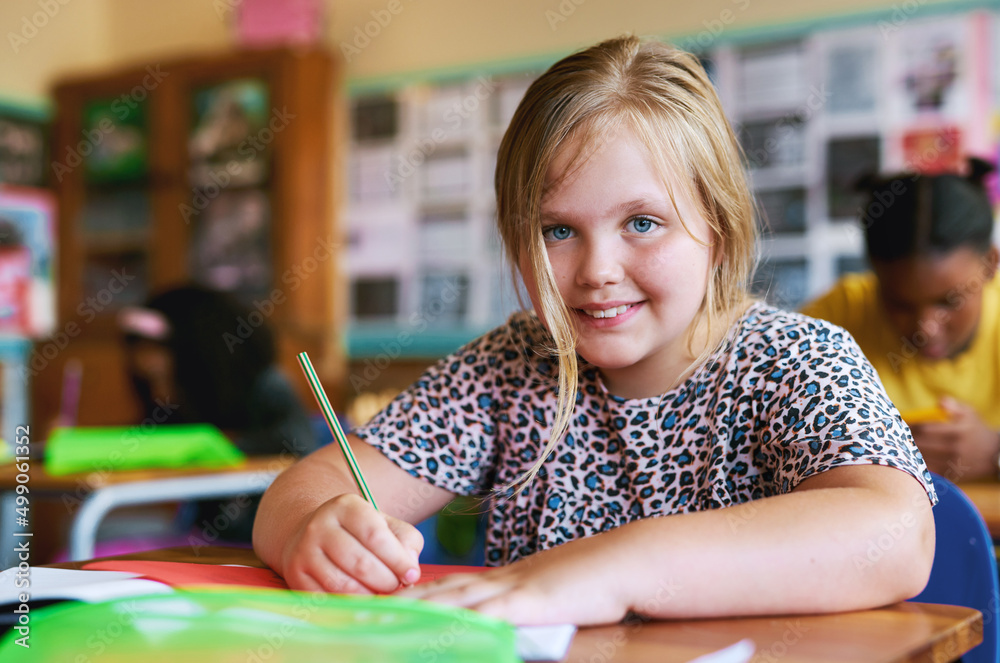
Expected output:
(218, 170)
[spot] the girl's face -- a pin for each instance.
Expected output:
(934, 302)
(632, 275)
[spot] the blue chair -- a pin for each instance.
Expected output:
(965, 567)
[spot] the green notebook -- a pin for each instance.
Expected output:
(72, 450)
(221, 624)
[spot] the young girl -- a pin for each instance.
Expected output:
(928, 315)
(655, 442)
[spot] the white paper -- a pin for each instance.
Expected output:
(741, 652)
(90, 586)
(544, 643)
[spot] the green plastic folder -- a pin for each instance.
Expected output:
(112, 449)
(262, 625)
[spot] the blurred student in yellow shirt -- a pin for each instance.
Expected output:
(928, 315)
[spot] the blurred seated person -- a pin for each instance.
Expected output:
(184, 356)
(928, 314)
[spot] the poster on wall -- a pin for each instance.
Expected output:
(22, 151)
(262, 23)
(932, 78)
(116, 146)
(230, 143)
(27, 294)
(933, 150)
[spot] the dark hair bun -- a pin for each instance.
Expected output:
(978, 170)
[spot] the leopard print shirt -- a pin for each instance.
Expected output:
(785, 397)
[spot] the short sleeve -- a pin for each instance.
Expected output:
(441, 428)
(829, 409)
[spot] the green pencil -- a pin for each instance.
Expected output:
(331, 421)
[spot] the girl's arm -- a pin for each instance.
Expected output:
(850, 538)
(314, 529)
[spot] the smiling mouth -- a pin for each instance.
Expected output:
(608, 313)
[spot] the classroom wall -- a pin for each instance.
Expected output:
(47, 39)
(42, 39)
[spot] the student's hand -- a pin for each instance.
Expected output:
(572, 583)
(348, 547)
(962, 448)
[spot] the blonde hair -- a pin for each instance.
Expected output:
(664, 96)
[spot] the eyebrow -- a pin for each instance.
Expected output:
(626, 208)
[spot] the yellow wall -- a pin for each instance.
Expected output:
(89, 35)
(76, 35)
(442, 33)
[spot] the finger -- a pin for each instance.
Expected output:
(408, 535)
(356, 560)
(953, 407)
(340, 582)
(413, 542)
(511, 607)
(425, 589)
(470, 594)
(461, 589)
(372, 529)
(315, 572)
(306, 583)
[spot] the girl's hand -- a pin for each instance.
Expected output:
(962, 448)
(573, 583)
(346, 546)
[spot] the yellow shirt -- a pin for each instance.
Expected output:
(913, 382)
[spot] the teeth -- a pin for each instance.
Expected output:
(608, 313)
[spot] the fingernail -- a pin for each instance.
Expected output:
(411, 576)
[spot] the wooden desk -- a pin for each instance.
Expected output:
(898, 633)
(986, 496)
(97, 493)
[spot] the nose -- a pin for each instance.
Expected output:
(600, 264)
(932, 320)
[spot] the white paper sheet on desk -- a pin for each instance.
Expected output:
(544, 643)
(90, 586)
(741, 652)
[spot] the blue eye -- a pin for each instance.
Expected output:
(641, 224)
(557, 232)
